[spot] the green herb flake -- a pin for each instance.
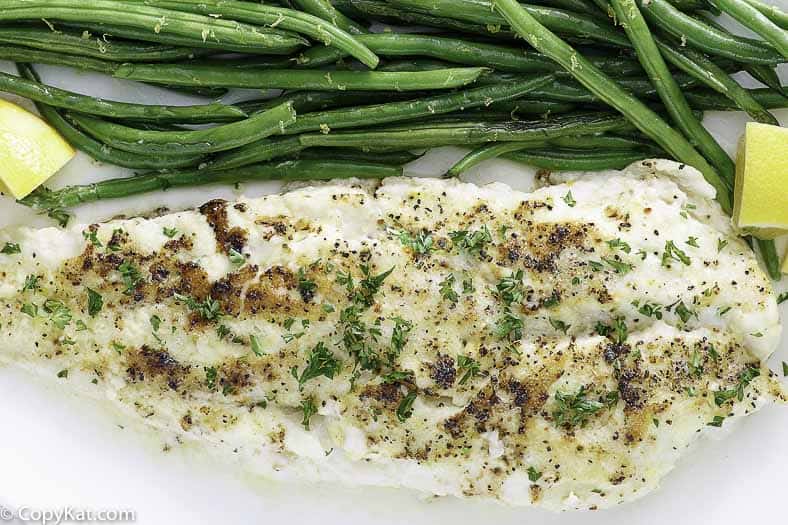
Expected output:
(131, 277)
(95, 302)
(91, 235)
(572, 410)
(306, 287)
(237, 259)
(785, 369)
(782, 298)
(692, 241)
(210, 377)
(63, 374)
(716, 421)
(59, 313)
(31, 283)
(620, 245)
(745, 378)
(257, 349)
(471, 242)
(569, 199)
(11, 248)
(30, 309)
(420, 244)
(210, 309)
(559, 325)
(308, 409)
(170, 232)
(509, 327)
(674, 253)
(321, 362)
(721, 244)
(620, 267)
(470, 366)
(405, 407)
(447, 289)
(533, 474)
(155, 322)
(510, 289)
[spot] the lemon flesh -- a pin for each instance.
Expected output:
(30, 151)
(761, 192)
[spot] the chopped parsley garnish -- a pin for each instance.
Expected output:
(308, 409)
(596, 266)
(115, 240)
(509, 327)
(785, 369)
(11, 248)
(470, 366)
(63, 374)
(569, 199)
(328, 308)
(693, 241)
(721, 243)
(447, 289)
(58, 312)
(155, 322)
(713, 353)
(574, 410)
(92, 236)
(533, 474)
(369, 286)
(306, 287)
(399, 336)
(620, 267)
(237, 259)
(210, 309)
(257, 349)
(31, 283)
(289, 322)
(398, 376)
(674, 253)
(421, 244)
(210, 377)
(321, 362)
(695, 364)
(510, 289)
(782, 298)
(745, 378)
(117, 347)
(59, 215)
(30, 309)
(684, 313)
(95, 303)
(559, 325)
(471, 242)
(131, 277)
(716, 421)
(222, 331)
(621, 330)
(356, 338)
(620, 245)
(724, 310)
(651, 310)
(405, 407)
(81, 326)
(467, 285)
(170, 232)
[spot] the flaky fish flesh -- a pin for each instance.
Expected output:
(559, 348)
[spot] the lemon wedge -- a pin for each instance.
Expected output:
(30, 151)
(761, 192)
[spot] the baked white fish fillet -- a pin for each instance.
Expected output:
(560, 348)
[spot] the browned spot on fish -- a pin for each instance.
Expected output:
(193, 281)
(235, 375)
(519, 393)
(542, 243)
(271, 291)
(628, 388)
(229, 289)
(443, 371)
(227, 239)
(147, 363)
(389, 394)
(179, 244)
(186, 422)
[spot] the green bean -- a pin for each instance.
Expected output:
(83, 44)
(711, 100)
(699, 66)
(323, 9)
(450, 132)
(750, 17)
(772, 12)
(99, 151)
(258, 151)
(185, 75)
(567, 90)
(705, 37)
(395, 158)
(467, 52)
(220, 138)
(360, 116)
(380, 10)
(531, 107)
(35, 56)
(270, 16)
(480, 11)
(766, 75)
(579, 160)
(310, 101)
(484, 152)
(611, 93)
(156, 23)
(53, 96)
(578, 6)
(290, 170)
(412, 109)
(770, 258)
(631, 19)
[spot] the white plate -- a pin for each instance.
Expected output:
(57, 450)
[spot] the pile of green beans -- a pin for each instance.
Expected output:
(555, 84)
